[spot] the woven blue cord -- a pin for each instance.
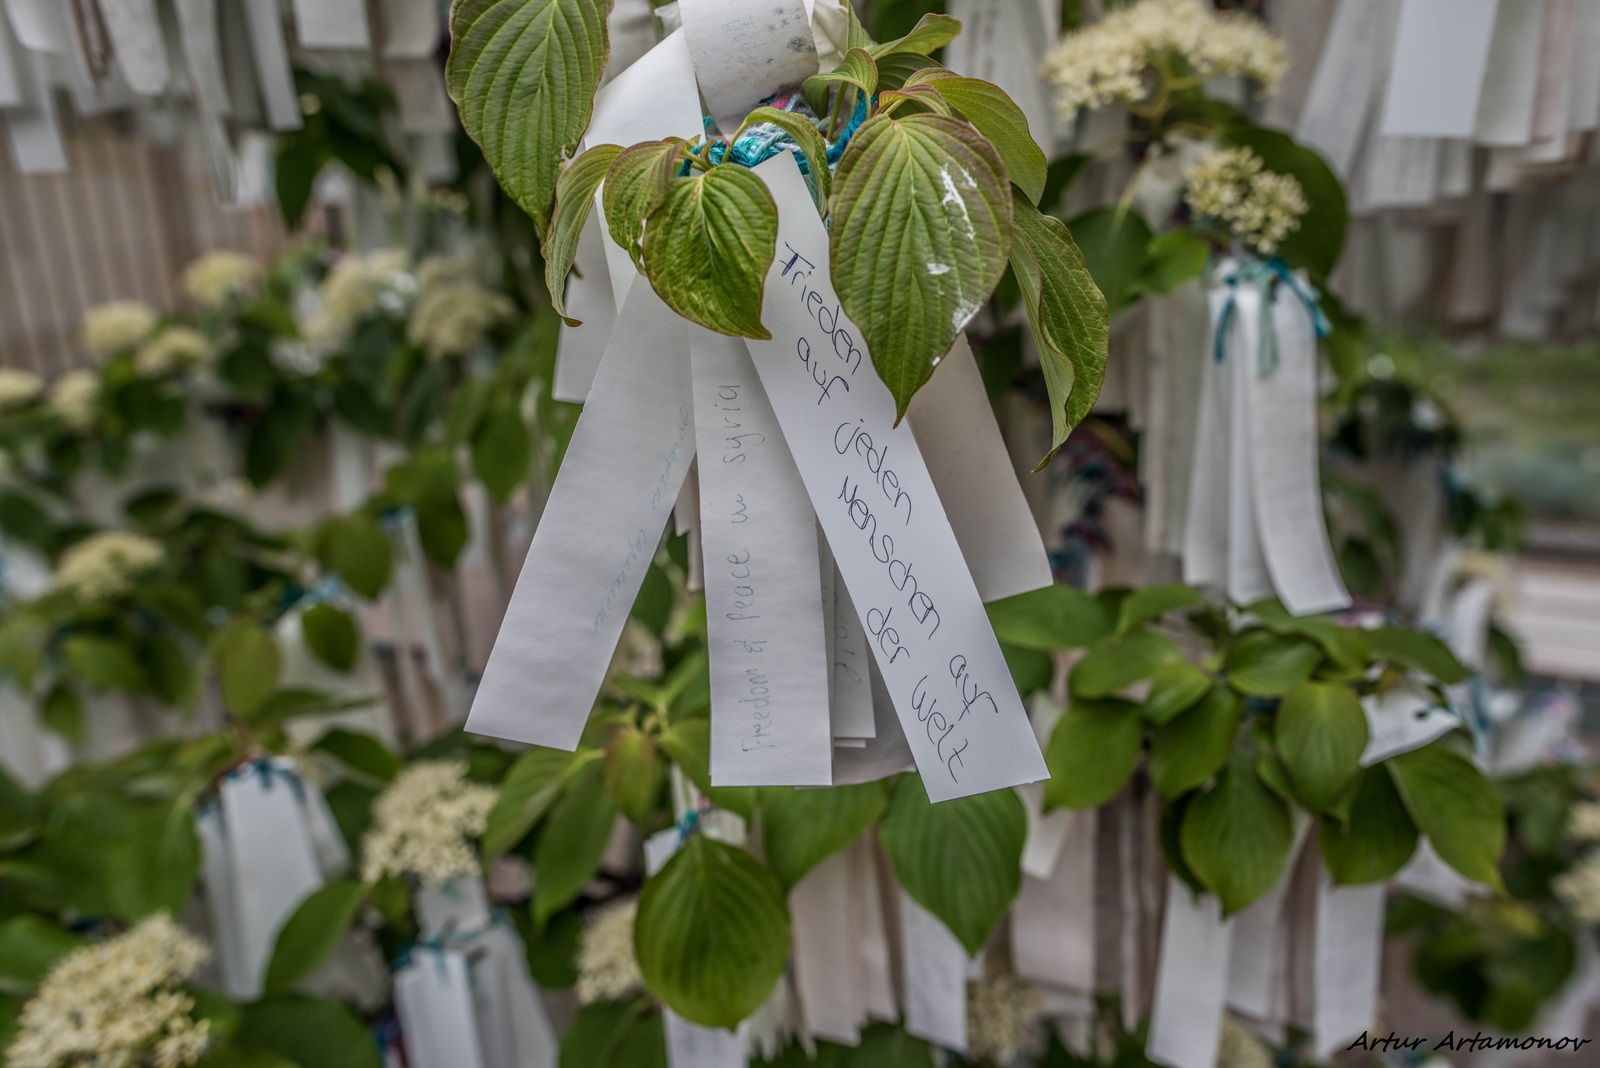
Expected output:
(1265, 275)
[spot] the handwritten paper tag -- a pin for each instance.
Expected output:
(433, 999)
(934, 970)
(744, 52)
(851, 706)
(1191, 980)
(601, 525)
(1441, 54)
(769, 662)
(884, 521)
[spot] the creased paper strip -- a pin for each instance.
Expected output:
(884, 521)
(1205, 530)
(1441, 54)
(1191, 981)
(272, 65)
(599, 532)
(32, 131)
(433, 999)
(1248, 577)
(1342, 91)
(851, 704)
(340, 24)
(824, 952)
(1053, 923)
(934, 972)
(1348, 959)
(202, 52)
(764, 620)
(744, 52)
(138, 44)
(1511, 83)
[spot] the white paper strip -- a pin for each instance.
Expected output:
(1191, 980)
(1053, 925)
(1258, 959)
(599, 532)
(869, 933)
(138, 43)
(32, 132)
(886, 752)
(1047, 832)
(1511, 84)
(1002, 41)
(272, 65)
(1436, 77)
(970, 467)
(433, 999)
(1349, 957)
(744, 53)
(1585, 85)
(589, 301)
(769, 664)
(514, 1029)
(851, 705)
(934, 972)
(1248, 576)
(456, 907)
(1403, 719)
(332, 24)
(411, 28)
(202, 53)
(1342, 91)
(884, 521)
(13, 84)
(37, 24)
(824, 952)
(1205, 530)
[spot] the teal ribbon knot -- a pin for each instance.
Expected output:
(1265, 276)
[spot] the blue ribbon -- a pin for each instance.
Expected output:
(1266, 276)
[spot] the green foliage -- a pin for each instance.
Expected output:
(635, 186)
(313, 930)
(1188, 750)
(29, 948)
(1452, 803)
(1114, 243)
(331, 634)
(1051, 618)
(1321, 733)
(614, 1034)
(361, 753)
(574, 199)
(1263, 664)
(802, 828)
(572, 843)
(1236, 836)
(307, 1032)
(529, 790)
(1377, 838)
(1092, 752)
(249, 661)
(1111, 665)
(633, 774)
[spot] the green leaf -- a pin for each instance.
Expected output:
(1379, 837)
(858, 69)
(635, 186)
(104, 663)
(960, 859)
(502, 453)
(308, 1032)
(154, 866)
(312, 932)
(250, 663)
(1459, 809)
(708, 246)
(168, 665)
(632, 771)
(712, 933)
(1236, 837)
(806, 136)
(1068, 314)
(1115, 244)
(359, 551)
(920, 235)
(1110, 666)
(530, 788)
(360, 752)
(998, 118)
(29, 947)
(1048, 619)
(1417, 650)
(1189, 750)
(1263, 664)
(572, 843)
(1092, 751)
(932, 32)
(1031, 669)
(331, 634)
(62, 712)
(1319, 240)
(523, 74)
(1321, 732)
(1177, 685)
(1152, 602)
(1172, 260)
(614, 1034)
(574, 194)
(802, 828)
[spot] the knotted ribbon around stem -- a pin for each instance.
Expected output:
(1266, 276)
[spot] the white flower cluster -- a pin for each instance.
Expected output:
(174, 348)
(117, 327)
(424, 824)
(1240, 1047)
(117, 1004)
(74, 398)
(359, 286)
(451, 318)
(1583, 822)
(1110, 59)
(1233, 187)
(217, 279)
(18, 389)
(1001, 1013)
(607, 968)
(104, 565)
(1579, 890)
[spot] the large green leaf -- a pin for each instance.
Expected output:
(1092, 752)
(633, 773)
(361, 753)
(1115, 245)
(1459, 809)
(312, 932)
(920, 236)
(998, 118)
(1379, 837)
(502, 452)
(858, 69)
(572, 843)
(1068, 315)
(932, 31)
(359, 551)
(802, 828)
(614, 1034)
(1321, 733)
(331, 634)
(1176, 685)
(635, 186)
(29, 948)
(308, 1032)
(104, 663)
(250, 663)
(523, 74)
(529, 789)
(688, 744)
(1194, 746)
(1048, 619)
(1263, 664)
(1152, 602)
(1236, 837)
(1415, 649)
(1110, 666)
(961, 859)
(712, 934)
(708, 245)
(575, 191)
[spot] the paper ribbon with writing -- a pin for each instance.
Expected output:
(852, 680)
(884, 521)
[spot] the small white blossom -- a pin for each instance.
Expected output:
(425, 824)
(117, 1004)
(74, 397)
(1113, 59)
(173, 348)
(359, 286)
(1002, 1012)
(218, 279)
(443, 270)
(607, 968)
(18, 389)
(1241, 1047)
(1579, 890)
(117, 327)
(451, 318)
(104, 565)
(1233, 188)
(1583, 822)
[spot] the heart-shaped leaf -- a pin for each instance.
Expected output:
(635, 186)
(523, 74)
(1380, 837)
(932, 31)
(802, 828)
(1092, 752)
(920, 237)
(1071, 325)
(575, 191)
(1459, 809)
(1192, 747)
(312, 931)
(572, 844)
(1110, 666)
(712, 933)
(708, 246)
(998, 118)
(961, 859)
(1321, 732)
(1236, 837)
(858, 69)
